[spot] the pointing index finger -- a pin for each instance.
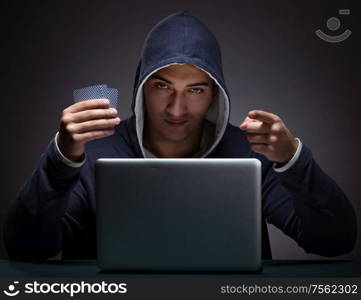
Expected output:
(263, 116)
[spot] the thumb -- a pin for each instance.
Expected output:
(244, 123)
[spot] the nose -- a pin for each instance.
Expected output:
(177, 106)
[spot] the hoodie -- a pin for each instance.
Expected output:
(55, 208)
(178, 39)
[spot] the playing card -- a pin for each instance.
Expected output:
(99, 91)
(112, 96)
(91, 92)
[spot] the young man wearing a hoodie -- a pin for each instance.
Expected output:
(181, 108)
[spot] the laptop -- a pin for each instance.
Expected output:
(187, 215)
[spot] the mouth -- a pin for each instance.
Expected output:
(176, 123)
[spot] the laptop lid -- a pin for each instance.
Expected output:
(178, 214)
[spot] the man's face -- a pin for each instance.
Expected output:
(176, 100)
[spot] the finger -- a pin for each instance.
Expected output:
(88, 104)
(92, 125)
(258, 138)
(92, 135)
(257, 127)
(263, 116)
(93, 114)
(245, 122)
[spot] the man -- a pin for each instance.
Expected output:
(181, 108)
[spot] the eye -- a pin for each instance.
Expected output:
(196, 90)
(160, 85)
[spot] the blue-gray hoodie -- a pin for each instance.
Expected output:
(55, 208)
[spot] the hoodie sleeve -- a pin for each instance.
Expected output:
(308, 206)
(37, 220)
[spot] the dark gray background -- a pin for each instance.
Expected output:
(272, 61)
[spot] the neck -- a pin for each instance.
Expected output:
(171, 149)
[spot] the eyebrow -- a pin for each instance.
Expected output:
(155, 76)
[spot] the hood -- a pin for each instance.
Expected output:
(182, 38)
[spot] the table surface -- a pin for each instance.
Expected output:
(271, 268)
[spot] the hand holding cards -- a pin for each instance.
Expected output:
(93, 116)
